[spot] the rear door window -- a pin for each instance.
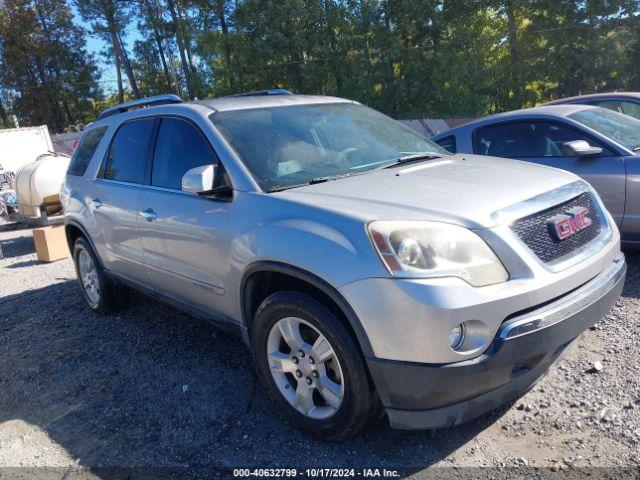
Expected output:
(128, 151)
(87, 147)
(180, 147)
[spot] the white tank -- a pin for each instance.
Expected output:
(38, 180)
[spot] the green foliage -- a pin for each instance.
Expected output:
(45, 70)
(408, 58)
(414, 58)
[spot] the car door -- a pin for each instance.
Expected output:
(630, 230)
(184, 236)
(542, 142)
(114, 200)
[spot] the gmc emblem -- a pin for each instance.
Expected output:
(571, 222)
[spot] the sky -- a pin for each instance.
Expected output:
(96, 45)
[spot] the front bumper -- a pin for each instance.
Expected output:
(423, 396)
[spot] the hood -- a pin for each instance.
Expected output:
(461, 189)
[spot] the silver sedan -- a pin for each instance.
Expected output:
(600, 145)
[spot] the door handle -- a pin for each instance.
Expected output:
(96, 202)
(149, 214)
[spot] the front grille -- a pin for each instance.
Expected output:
(535, 232)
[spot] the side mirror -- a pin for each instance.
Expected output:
(580, 148)
(199, 180)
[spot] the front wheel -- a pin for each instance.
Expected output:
(311, 366)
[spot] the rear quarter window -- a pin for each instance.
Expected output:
(87, 147)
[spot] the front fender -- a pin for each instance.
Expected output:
(337, 256)
(317, 253)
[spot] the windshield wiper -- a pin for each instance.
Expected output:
(334, 177)
(280, 188)
(313, 181)
(414, 157)
(636, 148)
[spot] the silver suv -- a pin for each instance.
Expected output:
(367, 269)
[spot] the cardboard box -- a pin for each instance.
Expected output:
(51, 243)
(52, 204)
(51, 199)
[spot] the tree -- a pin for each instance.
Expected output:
(408, 58)
(108, 20)
(182, 45)
(45, 64)
(154, 49)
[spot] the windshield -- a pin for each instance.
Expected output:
(619, 127)
(293, 145)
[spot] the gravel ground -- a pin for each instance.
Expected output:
(154, 388)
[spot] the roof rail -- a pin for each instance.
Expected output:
(139, 103)
(273, 91)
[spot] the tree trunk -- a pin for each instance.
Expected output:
(165, 68)
(513, 53)
(183, 60)
(333, 41)
(127, 68)
(67, 110)
(116, 57)
(167, 47)
(390, 71)
(187, 37)
(227, 46)
(171, 65)
(3, 116)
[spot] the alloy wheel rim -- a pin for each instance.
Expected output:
(89, 276)
(305, 368)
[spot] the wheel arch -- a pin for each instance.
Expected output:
(73, 230)
(257, 284)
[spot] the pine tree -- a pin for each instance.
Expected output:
(45, 64)
(108, 20)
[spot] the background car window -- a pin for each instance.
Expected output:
(622, 106)
(619, 127)
(448, 143)
(128, 151)
(83, 154)
(526, 140)
(180, 147)
(630, 108)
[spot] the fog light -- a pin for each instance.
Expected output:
(469, 337)
(456, 336)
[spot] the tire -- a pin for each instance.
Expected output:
(327, 419)
(110, 295)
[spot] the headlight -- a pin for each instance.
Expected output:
(416, 249)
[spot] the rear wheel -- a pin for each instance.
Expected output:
(101, 294)
(311, 366)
